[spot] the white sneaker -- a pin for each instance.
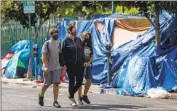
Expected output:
(73, 102)
(73, 105)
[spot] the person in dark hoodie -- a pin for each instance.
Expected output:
(74, 60)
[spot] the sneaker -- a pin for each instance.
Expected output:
(73, 101)
(41, 100)
(73, 105)
(80, 101)
(85, 99)
(56, 105)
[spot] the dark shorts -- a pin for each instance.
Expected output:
(88, 73)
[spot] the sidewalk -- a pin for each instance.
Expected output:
(33, 84)
(93, 88)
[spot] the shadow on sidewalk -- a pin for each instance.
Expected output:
(110, 107)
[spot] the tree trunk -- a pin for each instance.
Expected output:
(36, 29)
(157, 24)
(49, 27)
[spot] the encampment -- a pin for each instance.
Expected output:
(138, 64)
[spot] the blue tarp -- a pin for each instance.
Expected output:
(140, 65)
(137, 65)
(19, 62)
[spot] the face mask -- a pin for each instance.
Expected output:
(55, 36)
(87, 41)
(73, 33)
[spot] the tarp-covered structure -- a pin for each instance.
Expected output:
(138, 64)
(15, 64)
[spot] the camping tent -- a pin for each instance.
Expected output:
(16, 65)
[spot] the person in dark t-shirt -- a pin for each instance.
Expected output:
(87, 44)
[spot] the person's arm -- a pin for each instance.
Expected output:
(63, 48)
(44, 59)
(90, 59)
(44, 56)
(83, 54)
(91, 55)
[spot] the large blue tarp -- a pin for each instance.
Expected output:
(140, 64)
(137, 65)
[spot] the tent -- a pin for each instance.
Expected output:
(15, 64)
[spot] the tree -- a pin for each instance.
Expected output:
(84, 8)
(13, 10)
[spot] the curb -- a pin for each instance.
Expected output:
(26, 83)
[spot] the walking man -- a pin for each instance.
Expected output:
(51, 67)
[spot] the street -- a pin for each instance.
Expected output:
(15, 97)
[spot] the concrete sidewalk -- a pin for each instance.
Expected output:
(93, 89)
(33, 84)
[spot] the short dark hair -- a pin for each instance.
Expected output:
(70, 27)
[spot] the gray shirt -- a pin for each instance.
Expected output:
(53, 56)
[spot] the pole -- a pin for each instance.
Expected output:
(29, 72)
(108, 76)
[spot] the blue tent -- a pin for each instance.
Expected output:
(18, 64)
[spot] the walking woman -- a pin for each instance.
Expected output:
(88, 50)
(74, 59)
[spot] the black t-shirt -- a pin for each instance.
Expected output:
(88, 50)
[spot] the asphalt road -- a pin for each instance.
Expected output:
(24, 98)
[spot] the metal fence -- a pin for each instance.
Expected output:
(11, 33)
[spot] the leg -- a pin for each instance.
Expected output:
(79, 92)
(71, 78)
(79, 96)
(43, 89)
(87, 86)
(56, 82)
(55, 91)
(47, 83)
(88, 77)
(79, 78)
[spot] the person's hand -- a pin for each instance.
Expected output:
(46, 70)
(85, 64)
(88, 64)
(65, 67)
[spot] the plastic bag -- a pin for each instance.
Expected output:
(158, 93)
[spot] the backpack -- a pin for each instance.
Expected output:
(61, 58)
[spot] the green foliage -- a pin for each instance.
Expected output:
(13, 10)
